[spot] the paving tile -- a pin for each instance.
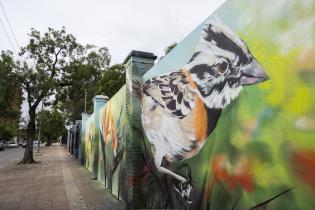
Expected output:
(42, 186)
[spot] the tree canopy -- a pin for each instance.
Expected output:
(54, 69)
(10, 98)
(83, 77)
(169, 48)
(55, 66)
(112, 80)
(51, 124)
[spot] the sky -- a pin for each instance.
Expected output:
(120, 25)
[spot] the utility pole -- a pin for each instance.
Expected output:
(85, 101)
(39, 133)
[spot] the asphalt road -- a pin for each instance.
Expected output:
(9, 156)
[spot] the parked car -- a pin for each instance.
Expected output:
(1, 146)
(35, 143)
(3, 142)
(13, 145)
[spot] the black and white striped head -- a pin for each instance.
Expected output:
(222, 64)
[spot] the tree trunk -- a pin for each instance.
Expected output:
(28, 154)
(48, 143)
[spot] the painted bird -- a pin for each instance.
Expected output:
(181, 109)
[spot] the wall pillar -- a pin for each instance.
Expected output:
(77, 138)
(68, 138)
(85, 117)
(72, 134)
(137, 63)
(98, 101)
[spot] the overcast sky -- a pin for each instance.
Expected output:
(120, 25)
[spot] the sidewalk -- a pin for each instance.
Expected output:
(58, 182)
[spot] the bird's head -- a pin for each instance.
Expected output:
(222, 65)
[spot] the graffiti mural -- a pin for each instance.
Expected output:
(233, 127)
(227, 117)
(182, 108)
(113, 143)
(89, 141)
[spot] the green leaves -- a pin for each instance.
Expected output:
(57, 67)
(112, 80)
(81, 76)
(51, 125)
(10, 97)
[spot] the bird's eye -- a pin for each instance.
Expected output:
(221, 67)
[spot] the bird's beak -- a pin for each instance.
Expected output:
(253, 73)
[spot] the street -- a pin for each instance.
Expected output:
(10, 156)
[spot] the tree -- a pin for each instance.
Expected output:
(83, 78)
(112, 80)
(22, 133)
(10, 98)
(169, 48)
(48, 59)
(51, 125)
(56, 65)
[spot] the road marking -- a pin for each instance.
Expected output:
(73, 193)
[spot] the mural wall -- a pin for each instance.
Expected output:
(113, 144)
(227, 118)
(89, 143)
(103, 143)
(233, 126)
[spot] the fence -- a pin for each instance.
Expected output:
(228, 118)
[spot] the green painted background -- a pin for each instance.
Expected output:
(264, 142)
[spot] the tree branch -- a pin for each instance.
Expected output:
(39, 99)
(41, 58)
(64, 84)
(22, 85)
(53, 70)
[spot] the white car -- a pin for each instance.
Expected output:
(13, 145)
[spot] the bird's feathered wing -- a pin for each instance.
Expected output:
(175, 92)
